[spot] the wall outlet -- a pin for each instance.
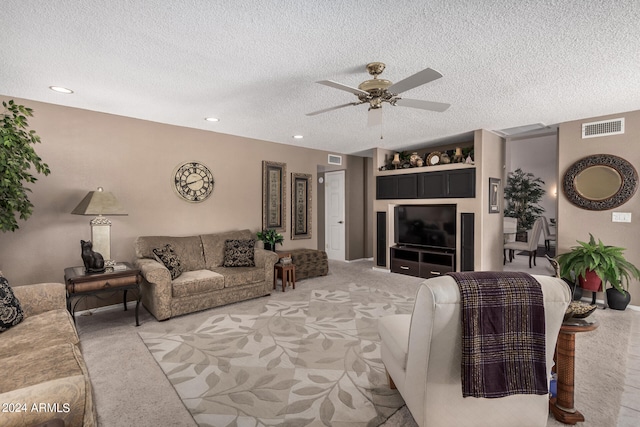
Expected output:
(621, 217)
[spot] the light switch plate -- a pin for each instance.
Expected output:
(621, 217)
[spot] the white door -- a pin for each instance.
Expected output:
(334, 215)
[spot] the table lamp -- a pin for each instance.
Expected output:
(100, 203)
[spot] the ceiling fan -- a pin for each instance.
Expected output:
(377, 91)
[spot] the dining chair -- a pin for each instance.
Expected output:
(509, 228)
(530, 246)
(548, 235)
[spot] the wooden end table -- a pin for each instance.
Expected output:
(286, 272)
(80, 284)
(562, 406)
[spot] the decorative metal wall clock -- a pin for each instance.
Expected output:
(193, 181)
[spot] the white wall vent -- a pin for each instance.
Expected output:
(603, 128)
(334, 159)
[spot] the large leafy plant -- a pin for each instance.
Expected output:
(522, 193)
(17, 160)
(608, 262)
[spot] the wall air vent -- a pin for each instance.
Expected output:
(334, 159)
(603, 128)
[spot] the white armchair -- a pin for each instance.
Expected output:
(422, 355)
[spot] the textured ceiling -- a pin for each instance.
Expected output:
(253, 64)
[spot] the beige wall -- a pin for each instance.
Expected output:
(575, 223)
(134, 159)
(489, 152)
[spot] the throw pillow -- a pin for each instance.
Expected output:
(168, 257)
(10, 311)
(239, 253)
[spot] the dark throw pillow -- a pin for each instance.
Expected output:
(168, 257)
(10, 311)
(239, 253)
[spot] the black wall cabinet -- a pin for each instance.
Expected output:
(458, 183)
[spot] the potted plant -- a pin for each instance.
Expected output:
(270, 237)
(17, 160)
(595, 265)
(522, 194)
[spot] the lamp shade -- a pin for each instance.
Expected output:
(99, 202)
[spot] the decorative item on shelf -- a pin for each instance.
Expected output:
(419, 162)
(93, 261)
(270, 238)
(605, 262)
(414, 158)
(445, 159)
(396, 160)
(457, 156)
(100, 203)
(433, 158)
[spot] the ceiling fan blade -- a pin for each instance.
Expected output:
(422, 77)
(423, 105)
(315, 113)
(375, 117)
(340, 86)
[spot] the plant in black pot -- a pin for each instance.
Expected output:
(595, 265)
(270, 238)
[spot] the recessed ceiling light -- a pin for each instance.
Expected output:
(298, 136)
(212, 119)
(60, 89)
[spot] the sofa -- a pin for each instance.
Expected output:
(44, 376)
(204, 281)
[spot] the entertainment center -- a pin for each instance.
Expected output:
(425, 238)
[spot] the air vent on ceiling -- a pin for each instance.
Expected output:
(603, 128)
(334, 159)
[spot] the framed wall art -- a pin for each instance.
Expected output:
(300, 206)
(494, 195)
(274, 192)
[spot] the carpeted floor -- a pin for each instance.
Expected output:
(131, 388)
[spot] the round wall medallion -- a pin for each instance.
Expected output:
(600, 182)
(193, 181)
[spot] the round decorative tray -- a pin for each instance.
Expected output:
(579, 310)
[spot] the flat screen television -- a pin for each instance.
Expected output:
(430, 226)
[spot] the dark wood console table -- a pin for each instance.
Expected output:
(562, 406)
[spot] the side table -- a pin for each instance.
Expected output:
(286, 272)
(124, 277)
(562, 406)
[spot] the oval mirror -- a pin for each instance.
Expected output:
(600, 182)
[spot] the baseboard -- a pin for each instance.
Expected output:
(383, 270)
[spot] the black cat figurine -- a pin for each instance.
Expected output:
(93, 261)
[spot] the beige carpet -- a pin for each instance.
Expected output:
(131, 389)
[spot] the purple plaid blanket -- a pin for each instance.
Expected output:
(503, 334)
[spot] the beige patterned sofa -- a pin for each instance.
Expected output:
(43, 373)
(204, 281)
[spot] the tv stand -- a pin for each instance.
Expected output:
(422, 262)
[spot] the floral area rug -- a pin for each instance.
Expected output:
(300, 358)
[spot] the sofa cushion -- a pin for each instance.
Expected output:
(213, 246)
(237, 276)
(196, 282)
(42, 330)
(239, 253)
(169, 258)
(53, 375)
(10, 311)
(188, 249)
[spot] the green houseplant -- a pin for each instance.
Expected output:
(270, 237)
(17, 160)
(606, 263)
(522, 193)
